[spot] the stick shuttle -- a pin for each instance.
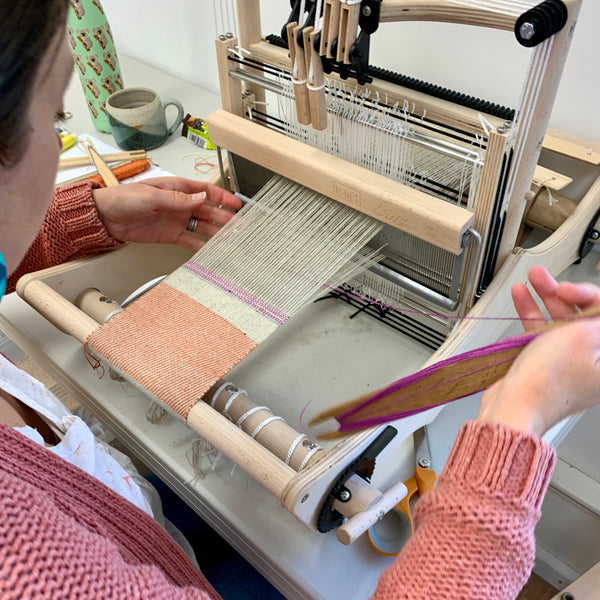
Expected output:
(442, 382)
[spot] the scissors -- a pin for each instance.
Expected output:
(389, 536)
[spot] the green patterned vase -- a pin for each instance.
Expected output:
(95, 57)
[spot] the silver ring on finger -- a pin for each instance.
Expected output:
(192, 224)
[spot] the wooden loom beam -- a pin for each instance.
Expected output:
(415, 212)
(454, 115)
(393, 11)
(554, 52)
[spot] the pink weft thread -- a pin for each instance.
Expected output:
(239, 293)
(500, 346)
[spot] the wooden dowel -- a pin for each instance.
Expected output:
(253, 458)
(277, 436)
(80, 161)
(57, 309)
(357, 524)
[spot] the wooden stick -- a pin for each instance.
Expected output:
(315, 81)
(298, 60)
(81, 161)
(107, 175)
(415, 212)
(329, 27)
(348, 30)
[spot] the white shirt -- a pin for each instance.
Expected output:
(78, 444)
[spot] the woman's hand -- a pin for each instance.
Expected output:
(159, 210)
(556, 375)
(562, 300)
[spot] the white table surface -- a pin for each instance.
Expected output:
(321, 352)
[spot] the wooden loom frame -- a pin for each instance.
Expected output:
(302, 493)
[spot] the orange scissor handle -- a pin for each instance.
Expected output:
(412, 487)
(426, 479)
(422, 482)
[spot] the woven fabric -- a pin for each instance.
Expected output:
(63, 535)
(165, 342)
(241, 314)
(474, 534)
(71, 229)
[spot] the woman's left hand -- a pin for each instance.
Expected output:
(159, 210)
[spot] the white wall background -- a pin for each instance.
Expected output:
(177, 36)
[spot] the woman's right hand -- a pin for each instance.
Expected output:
(557, 374)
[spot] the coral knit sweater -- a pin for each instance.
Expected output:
(63, 534)
(71, 229)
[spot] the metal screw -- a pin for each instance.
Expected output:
(424, 462)
(222, 37)
(567, 596)
(345, 495)
(502, 129)
(229, 35)
(595, 234)
(527, 30)
(508, 124)
(366, 11)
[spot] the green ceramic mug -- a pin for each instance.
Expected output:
(138, 118)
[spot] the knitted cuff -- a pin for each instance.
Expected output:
(500, 461)
(80, 219)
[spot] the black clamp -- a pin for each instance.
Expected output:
(363, 466)
(295, 18)
(592, 235)
(368, 21)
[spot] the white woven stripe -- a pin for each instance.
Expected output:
(254, 324)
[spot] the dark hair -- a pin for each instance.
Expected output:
(26, 30)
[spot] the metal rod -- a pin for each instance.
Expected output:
(249, 77)
(414, 287)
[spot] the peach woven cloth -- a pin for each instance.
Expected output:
(165, 344)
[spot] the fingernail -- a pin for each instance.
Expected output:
(199, 196)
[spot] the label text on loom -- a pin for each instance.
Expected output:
(347, 196)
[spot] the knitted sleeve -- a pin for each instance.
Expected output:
(71, 229)
(63, 534)
(474, 534)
